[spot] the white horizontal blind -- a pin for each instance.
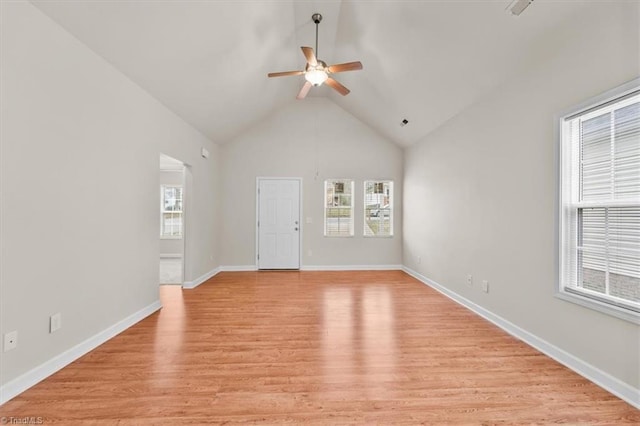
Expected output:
(595, 147)
(338, 210)
(606, 200)
(626, 152)
(171, 212)
(378, 208)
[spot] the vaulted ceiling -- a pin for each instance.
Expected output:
(208, 60)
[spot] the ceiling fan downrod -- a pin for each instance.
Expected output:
(317, 18)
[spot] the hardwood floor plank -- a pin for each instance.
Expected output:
(366, 347)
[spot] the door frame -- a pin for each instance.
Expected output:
(257, 248)
(185, 182)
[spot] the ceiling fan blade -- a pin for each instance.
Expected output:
(339, 87)
(310, 55)
(349, 66)
(284, 73)
(305, 89)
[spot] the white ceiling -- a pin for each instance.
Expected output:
(208, 60)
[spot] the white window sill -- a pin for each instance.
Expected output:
(170, 238)
(599, 306)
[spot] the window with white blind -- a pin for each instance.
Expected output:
(378, 208)
(171, 211)
(600, 204)
(338, 208)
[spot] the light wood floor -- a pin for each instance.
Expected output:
(316, 348)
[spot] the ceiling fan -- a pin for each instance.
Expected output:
(316, 71)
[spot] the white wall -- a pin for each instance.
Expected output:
(314, 140)
(480, 191)
(79, 172)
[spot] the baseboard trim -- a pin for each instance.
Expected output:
(244, 268)
(351, 268)
(170, 256)
(22, 383)
(609, 383)
(238, 268)
(189, 285)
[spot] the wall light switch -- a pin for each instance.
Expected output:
(55, 322)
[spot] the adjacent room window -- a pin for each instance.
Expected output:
(600, 205)
(338, 208)
(171, 211)
(378, 208)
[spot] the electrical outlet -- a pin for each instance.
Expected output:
(309, 253)
(55, 322)
(10, 340)
(470, 280)
(419, 260)
(485, 286)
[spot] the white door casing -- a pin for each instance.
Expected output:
(278, 223)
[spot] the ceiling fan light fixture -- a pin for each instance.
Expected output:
(516, 7)
(316, 76)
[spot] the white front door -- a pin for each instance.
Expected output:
(278, 224)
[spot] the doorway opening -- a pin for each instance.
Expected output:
(172, 220)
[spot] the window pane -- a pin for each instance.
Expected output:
(378, 214)
(593, 238)
(592, 253)
(596, 158)
(593, 279)
(172, 198)
(608, 259)
(171, 224)
(627, 152)
(338, 208)
(625, 287)
(169, 199)
(624, 252)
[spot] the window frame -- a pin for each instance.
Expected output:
(564, 252)
(364, 207)
(352, 207)
(164, 236)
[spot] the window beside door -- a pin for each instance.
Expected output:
(171, 205)
(378, 208)
(338, 210)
